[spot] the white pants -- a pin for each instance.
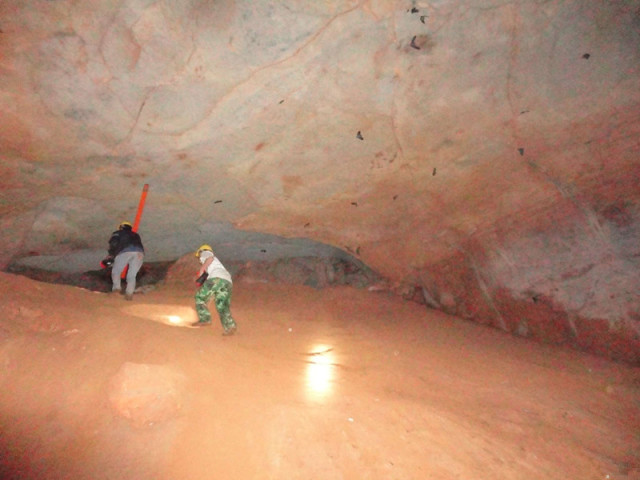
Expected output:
(134, 261)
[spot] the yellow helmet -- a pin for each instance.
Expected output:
(203, 248)
(124, 224)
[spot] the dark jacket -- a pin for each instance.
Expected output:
(124, 240)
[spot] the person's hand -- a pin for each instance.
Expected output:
(201, 279)
(107, 262)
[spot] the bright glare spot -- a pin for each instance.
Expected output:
(320, 371)
(167, 314)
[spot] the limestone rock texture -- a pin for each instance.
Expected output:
(483, 153)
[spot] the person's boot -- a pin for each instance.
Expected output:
(200, 324)
(229, 331)
(128, 296)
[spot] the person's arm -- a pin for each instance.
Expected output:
(202, 273)
(114, 241)
(205, 265)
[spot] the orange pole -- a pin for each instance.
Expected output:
(136, 223)
(143, 198)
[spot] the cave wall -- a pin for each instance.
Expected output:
(483, 153)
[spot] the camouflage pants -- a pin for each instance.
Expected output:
(221, 290)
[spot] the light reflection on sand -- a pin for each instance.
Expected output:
(170, 314)
(320, 372)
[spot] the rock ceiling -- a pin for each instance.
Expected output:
(485, 152)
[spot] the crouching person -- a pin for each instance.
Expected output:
(215, 282)
(126, 250)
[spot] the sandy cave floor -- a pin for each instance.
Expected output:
(317, 384)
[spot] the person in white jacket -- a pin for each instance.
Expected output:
(215, 282)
